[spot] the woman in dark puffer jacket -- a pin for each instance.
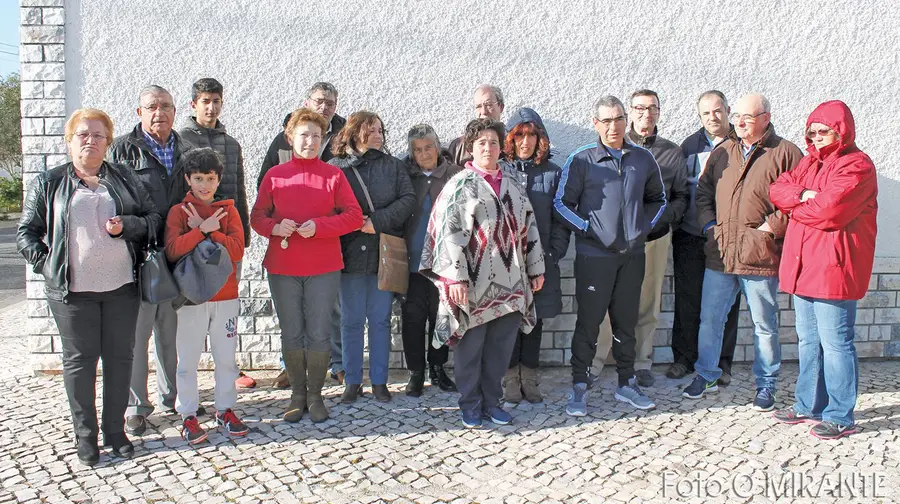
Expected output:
(359, 152)
(528, 151)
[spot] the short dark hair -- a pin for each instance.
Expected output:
(202, 160)
(644, 92)
(478, 126)
(713, 92)
(207, 85)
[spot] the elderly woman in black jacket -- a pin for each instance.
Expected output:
(385, 194)
(528, 151)
(83, 227)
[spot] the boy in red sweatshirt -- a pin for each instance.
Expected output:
(198, 217)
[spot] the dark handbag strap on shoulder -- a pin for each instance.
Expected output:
(364, 188)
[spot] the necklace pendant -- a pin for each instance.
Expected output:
(284, 243)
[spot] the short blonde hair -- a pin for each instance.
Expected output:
(88, 114)
(302, 115)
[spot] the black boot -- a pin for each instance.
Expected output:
(439, 377)
(351, 392)
(88, 451)
(416, 383)
(121, 446)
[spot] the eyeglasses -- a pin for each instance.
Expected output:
(165, 107)
(95, 137)
(610, 121)
(486, 105)
(824, 132)
(745, 118)
(318, 102)
(641, 110)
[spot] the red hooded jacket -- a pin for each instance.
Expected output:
(829, 247)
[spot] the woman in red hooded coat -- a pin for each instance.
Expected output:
(826, 264)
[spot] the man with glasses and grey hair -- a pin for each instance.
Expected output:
(429, 172)
(487, 100)
(611, 194)
(323, 98)
(154, 151)
(744, 233)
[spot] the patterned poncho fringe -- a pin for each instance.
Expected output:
(488, 242)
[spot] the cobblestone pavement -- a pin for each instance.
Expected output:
(416, 451)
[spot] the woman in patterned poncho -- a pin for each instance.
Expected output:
(483, 252)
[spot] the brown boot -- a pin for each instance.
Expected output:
(282, 381)
(295, 365)
(512, 386)
(317, 369)
(530, 385)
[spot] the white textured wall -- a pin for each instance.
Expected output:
(415, 61)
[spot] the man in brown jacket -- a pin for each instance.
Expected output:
(744, 236)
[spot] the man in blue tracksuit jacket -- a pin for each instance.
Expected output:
(610, 194)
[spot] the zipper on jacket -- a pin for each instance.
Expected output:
(66, 239)
(621, 223)
(744, 163)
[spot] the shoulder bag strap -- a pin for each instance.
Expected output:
(364, 188)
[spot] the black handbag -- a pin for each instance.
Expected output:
(157, 283)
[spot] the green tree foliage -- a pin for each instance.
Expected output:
(10, 125)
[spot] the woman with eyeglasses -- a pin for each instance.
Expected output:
(826, 264)
(83, 226)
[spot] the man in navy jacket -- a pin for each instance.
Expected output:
(611, 194)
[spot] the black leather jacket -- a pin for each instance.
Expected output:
(42, 236)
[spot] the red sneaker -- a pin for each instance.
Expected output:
(192, 432)
(232, 424)
(245, 381)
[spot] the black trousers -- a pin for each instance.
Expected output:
(479, 361)
(527, 350)
(95, 325)
(604, 284)
(420, 308)
(689, 262)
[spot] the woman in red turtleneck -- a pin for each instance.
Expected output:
(303, 208)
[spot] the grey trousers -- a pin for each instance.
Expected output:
(162, 321)
(305, 307)
(480, 360)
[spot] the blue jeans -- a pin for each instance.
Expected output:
(719, 292)
(829, 373)
(361, 301)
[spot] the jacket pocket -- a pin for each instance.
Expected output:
(835, 255)
(711, 247)
(757, 248)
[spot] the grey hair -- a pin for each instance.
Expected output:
(607, 101)
(713, 92)
(498, 95)
(154, 89)
(325, 87)
(421, 132)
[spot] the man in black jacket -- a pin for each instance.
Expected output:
(153, 150)
(487, 102)
(643, 113)
(323, 98)
(611, 195)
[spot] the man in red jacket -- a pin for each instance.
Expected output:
(200, 217)
(829, 249)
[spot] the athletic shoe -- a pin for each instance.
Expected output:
(471, 419)
(577, 406)
(633, 395)
(192, 432)
(765, 399)
(232, 424)
(698, 387)
(497, 415)
(790, 416)
(831, 430)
